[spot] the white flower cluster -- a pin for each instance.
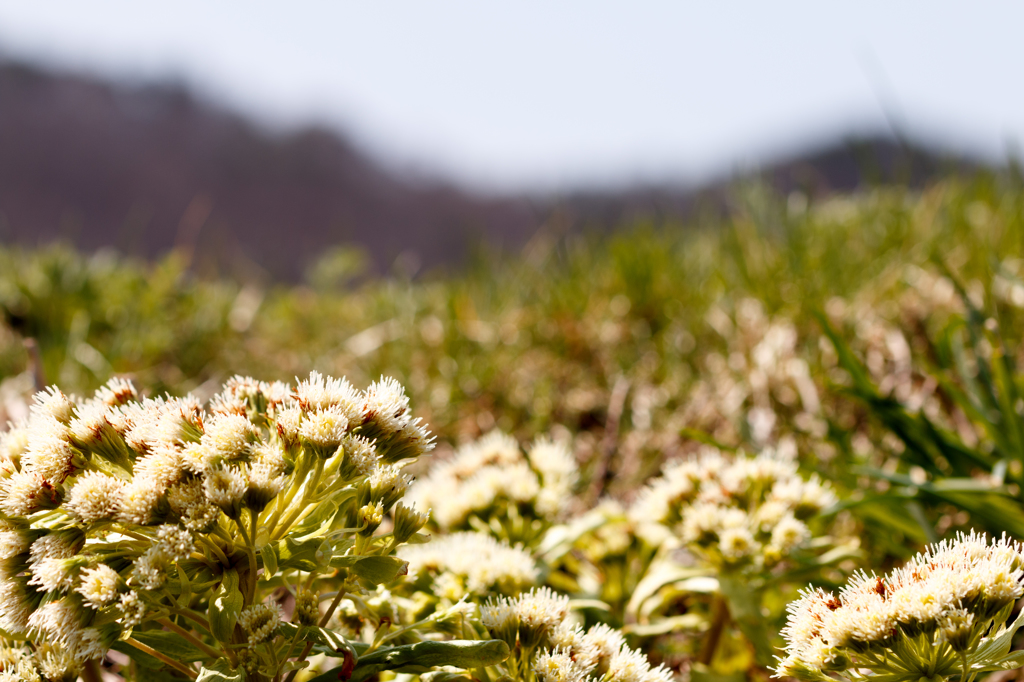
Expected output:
(470, 563)
(536, 627)
(487, 475)
(740, 512)
(105, 500)
(922, 617)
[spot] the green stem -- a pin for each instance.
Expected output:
(180, 667)
(719, 618)
(91, 671)
(202, 622)
(323, 621)
(213, 546)
(207, 649)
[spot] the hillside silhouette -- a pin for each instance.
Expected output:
(147, 168)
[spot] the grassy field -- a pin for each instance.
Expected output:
(875, 336)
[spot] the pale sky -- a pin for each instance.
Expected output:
(558, 93)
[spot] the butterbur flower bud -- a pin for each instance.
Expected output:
(24, 493)
(176, 542)
(501, 620)
(360, 459)
(387, 408)
(371, 516)
(288, 422)
(53, 403)
(263, 486)
(95, 497)
(91, 430)
(225, 487)
(323, 431)
(14, 443)
(98, 585)
(229, 435)
(957, 629)
(411, 442)
(539, 611)
(188, 501)
(150, 570)
(408, 522)
(388, 485)
(249, 661)
(132, 609)
(260, 621)
(560, 666)
(117, 391)
(307, 608)
(56, 574)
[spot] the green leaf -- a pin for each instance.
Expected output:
(324, 641)
(300, 554)
(378, 570)
(220, 672)
(269, 556)
(745, 609)
(997, 646)
(685, 621)
(420, 657)
(225, 607)
(170, 643)
(186, 588)
(443, 676)
(316, 523)
(664, 573)
(559, 540)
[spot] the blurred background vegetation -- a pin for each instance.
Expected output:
(875, 331)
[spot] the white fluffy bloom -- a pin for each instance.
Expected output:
(499, 614)
(49, 451)
(132, 609)
(224, 487)
(542, 608)
(953, 585)
(150, 569)
(176, 542)
(319, 393)
(745, 510)
(139, 499)
(98, 585)
(188, 500)
(260, 621)
(116, 391)
(52, 403)
(387, 405)
(94, 496)
(24, 493)
(559, 665)
(14, 542)
(164, 465)
(228, 435)
(325, 430)
(494, 471)
(59, 620)
(14, 442)
(483, 563)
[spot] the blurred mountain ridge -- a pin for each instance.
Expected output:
(148, 168)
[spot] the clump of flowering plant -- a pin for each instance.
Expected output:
(493, 486)
(742, 523)
(547, 646)
(469, 564)
(205, 540)
(941, 616)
